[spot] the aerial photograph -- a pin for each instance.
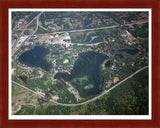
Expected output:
(79, 62)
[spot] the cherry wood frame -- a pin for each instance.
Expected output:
(6, 4)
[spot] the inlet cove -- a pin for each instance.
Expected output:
(86, 73)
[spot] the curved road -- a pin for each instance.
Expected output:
(103, 93)
(37, 18)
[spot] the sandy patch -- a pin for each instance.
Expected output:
(116, 79)
(45, 37)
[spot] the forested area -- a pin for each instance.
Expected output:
(129, 98)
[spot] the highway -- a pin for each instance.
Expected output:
(15, 44)
(90, 100)
(81, 30)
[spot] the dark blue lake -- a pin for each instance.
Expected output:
(87, 22)
(108, 63)
(36, 58)
(129, 51)
(88, 65)
(120, 56)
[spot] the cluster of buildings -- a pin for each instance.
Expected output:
(129, 38)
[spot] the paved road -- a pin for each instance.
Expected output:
(37, 20)
(103, 93)
(37, 17)
(81, 30)
(27, 88)
(93, 44)
(79, 44)
(15, 44)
